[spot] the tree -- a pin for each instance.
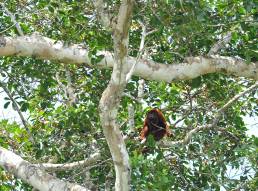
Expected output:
(199, 60)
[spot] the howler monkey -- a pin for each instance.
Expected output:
(154, 124)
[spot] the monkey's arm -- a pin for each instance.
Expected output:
(168, 131)
(144, 133)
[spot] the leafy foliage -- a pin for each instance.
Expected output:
(64, 130)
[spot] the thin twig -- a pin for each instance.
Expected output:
(220, 44)
(140, 52)
(141, 49)
(16, 107)
(232, 22)
(7, 28)
(13, 19)
(71, 166)
(216, 119)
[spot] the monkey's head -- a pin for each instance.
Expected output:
(153, 116)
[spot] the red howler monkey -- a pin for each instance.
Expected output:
(154, 124)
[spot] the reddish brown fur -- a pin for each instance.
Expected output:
(154, 124)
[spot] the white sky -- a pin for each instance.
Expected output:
(252, 125)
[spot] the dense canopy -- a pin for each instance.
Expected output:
(81, 76)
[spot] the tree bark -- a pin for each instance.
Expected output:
(44, 48)
(110, 99)
(33, 175)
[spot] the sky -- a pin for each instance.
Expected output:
(252, 125)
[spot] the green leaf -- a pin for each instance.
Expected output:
(196, 82)
(51, 9)
(7, 104)
(256, 141)
(24, 106)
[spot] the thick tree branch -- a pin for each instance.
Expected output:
(33, 175)
(71, 166)
(105, 17)
(140, 93)
(131, 123)
(44, 48)
(69, 91)
(216, 119)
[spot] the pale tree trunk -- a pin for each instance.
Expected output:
(110, 99)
